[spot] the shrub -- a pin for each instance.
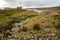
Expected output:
(24, 29)
(15, 20)
(36, 27)
(58, 26)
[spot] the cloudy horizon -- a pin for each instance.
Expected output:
(28, 3)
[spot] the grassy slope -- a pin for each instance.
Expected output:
(39, 25)
(46, 18)
(8, 17)
(35, 26)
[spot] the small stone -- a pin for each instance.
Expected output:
(15, 29)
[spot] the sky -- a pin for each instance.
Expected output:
(28, 3)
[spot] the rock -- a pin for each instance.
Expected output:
(15, 29)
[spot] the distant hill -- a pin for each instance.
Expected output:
(47, 8)
(50, 8)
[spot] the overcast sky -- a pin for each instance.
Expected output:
(28, 3)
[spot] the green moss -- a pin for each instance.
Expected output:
(23, 17)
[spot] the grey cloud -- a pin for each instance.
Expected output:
(14, 3)
(40, 2)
